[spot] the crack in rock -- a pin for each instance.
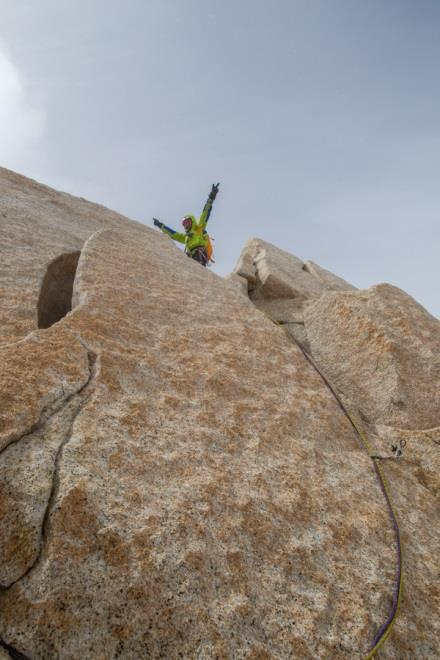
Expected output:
(86, 392)
(82, 396)
(13, 653)
(46, 413)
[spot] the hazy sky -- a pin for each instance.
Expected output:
(320, 118)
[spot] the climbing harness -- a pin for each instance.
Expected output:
(199, 254)
(385, 630)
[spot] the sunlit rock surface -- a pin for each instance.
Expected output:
(176, 481)
(37, 225)
(383, 350)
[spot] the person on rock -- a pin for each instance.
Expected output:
(196, 240)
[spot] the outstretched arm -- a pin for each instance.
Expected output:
(175, 235)
(208, 206)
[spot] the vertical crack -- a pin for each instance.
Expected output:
(78, 401)
(80, 398)
(84, 396)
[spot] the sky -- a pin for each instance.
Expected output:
(320, 119)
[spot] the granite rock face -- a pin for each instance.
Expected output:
(383, 350)
(283, 286)
(37, 225)
(379, 350)
(176, 480)
(379, 347)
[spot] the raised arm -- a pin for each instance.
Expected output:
(175, 235)
(203, 221)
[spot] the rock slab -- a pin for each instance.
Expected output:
(175, 478)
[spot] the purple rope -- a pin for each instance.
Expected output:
(397, 584)
(396, 591)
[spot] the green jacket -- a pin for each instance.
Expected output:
(197, 235)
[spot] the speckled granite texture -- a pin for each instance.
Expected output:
(175, 479)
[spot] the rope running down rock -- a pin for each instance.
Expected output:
(385, 629)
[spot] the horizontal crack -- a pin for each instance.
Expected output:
(290, 322)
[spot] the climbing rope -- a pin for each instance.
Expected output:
(385, 629)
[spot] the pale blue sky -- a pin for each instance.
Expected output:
(319, 117)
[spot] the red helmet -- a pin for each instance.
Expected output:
(187, 222)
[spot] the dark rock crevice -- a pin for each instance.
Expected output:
(13, 653)
(55, 299)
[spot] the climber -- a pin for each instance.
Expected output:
(196, 239)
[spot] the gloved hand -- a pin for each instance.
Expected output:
(157, 223)
(214, 191)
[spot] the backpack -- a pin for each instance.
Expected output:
(209, 248)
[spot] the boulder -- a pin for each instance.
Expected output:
(329, 280)
(382, 350)
(275, 274)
